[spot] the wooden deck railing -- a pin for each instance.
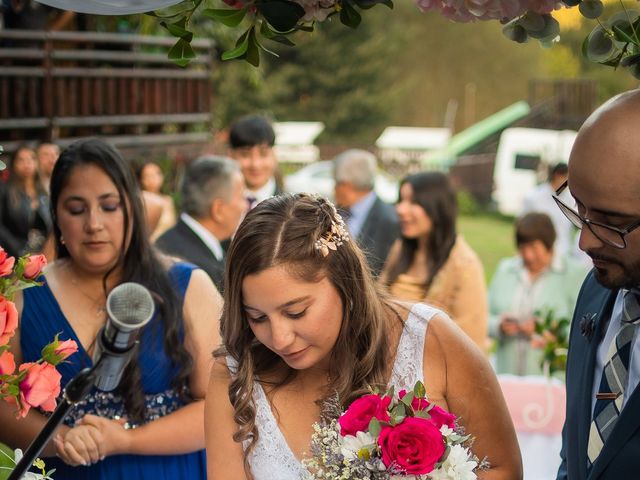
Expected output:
(57, 86)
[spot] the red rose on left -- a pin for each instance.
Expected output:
(8, 320)
(360, 412)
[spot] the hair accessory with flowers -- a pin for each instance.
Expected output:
(387, 437)
(335, 237)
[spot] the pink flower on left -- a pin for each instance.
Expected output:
(7, 363)
(34, 266)
(8, 320)
(39, 388)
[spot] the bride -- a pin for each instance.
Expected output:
(303, 320)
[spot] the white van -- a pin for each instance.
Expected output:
(522, 161)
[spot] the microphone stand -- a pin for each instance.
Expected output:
(78, 388)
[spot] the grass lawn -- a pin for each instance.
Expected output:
(490, 236)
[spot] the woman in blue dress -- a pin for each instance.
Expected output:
(151, 426)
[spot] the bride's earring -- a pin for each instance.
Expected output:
(61, 239)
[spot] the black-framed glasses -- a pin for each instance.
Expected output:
(608, 234)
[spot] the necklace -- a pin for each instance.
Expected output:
(99, 304)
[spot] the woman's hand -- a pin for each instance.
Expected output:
(509, 326)
(115, 438)
(81, 445)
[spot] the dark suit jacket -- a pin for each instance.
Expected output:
(182, 242)
(380, 229)
(620, 456)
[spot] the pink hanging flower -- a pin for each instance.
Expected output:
(35, 264)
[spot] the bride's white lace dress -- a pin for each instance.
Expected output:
(272, 459)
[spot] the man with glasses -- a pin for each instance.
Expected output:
(601, 436)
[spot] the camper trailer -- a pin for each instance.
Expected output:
(522, 161)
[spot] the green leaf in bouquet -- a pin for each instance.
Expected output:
(622, 24)
(349, 16)
(7, 461)
(418, 390)
(374, 427)
(398, 413)
(228, 17)
(423, 414)
(282, 15)
(391, 391)
(407, 399)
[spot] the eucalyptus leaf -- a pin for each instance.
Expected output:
(591, 8)
(175, 10)
(599, 46)
(515, 32)
(282, 15)
(408, 398)
(349, 16)
(532, 22)
(550, 30)
(228, 17)
(419, 390)
(374, 427)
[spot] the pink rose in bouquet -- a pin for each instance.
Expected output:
(7, 363)
(361, 411)
(39, 388)
(34, 266)
(8, 320)
(439, 416)
(412, 447)
(6, 263)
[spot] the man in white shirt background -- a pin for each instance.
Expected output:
(213, 204)
(251, 141)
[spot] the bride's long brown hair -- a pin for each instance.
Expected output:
(282, 231)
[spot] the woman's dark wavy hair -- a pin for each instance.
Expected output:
(434, 193)
(139, 262)
(282, 231)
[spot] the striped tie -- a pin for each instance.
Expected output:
(611, 393)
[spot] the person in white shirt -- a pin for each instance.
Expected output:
(251, 141)
(213, 204)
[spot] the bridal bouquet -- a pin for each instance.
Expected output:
(391, 437)
(552, 337)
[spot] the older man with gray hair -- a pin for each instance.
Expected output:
(213, 204)
(373, 223)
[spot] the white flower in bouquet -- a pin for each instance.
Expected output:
(359, 446)
(459, 465)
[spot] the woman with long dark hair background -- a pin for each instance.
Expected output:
(431, 262)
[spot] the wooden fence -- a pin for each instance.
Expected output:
(57, 86)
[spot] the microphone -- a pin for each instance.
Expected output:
(129, 308)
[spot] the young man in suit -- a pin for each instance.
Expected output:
(213, 204)
(373, 223)
(251, 141)
(601, 436)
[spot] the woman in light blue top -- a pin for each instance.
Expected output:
(529, 284)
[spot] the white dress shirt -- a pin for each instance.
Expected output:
(205, 235)
(264, 192)
(359, 212)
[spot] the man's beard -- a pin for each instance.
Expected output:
(630, 277)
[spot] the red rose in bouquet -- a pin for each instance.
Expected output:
(361, 411)
(411, 447)
(8, 320)
(39, 388)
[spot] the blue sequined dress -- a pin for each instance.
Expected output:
(42, 319)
